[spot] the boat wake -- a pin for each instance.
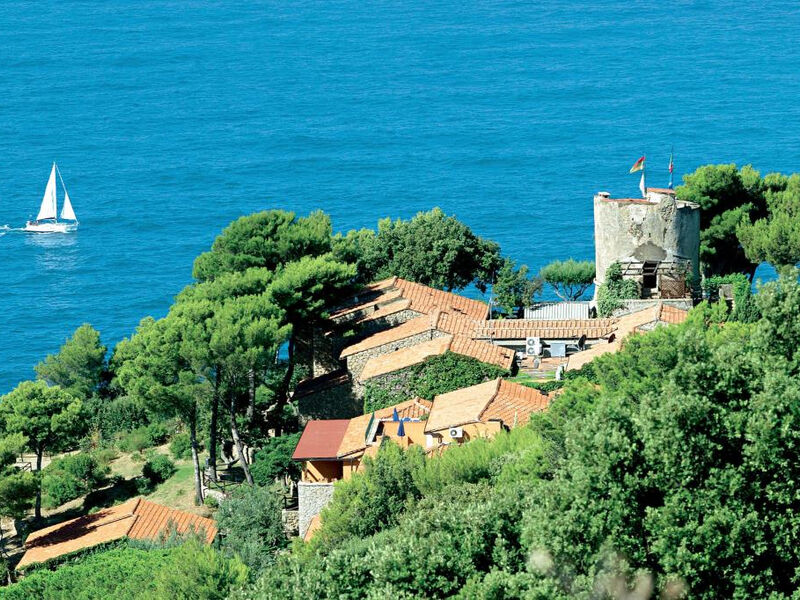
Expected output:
(4, 229)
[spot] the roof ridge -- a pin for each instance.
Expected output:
(492, 398)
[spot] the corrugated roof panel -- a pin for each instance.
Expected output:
(558, 311)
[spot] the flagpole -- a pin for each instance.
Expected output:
(671, 166)
(644, 175)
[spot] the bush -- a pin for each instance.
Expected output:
(145, 437)
(134, 441)
(252, 523)
(614, 291)
(72, 477)
(159, 432)
(436, 375)
(199, 571)
(211, 502)
(274, 460)
(181, 446)
(158, 468)
(745, 309)
(121, 414)
(375, 499)
(190, 570)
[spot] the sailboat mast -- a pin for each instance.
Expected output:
(55, 191)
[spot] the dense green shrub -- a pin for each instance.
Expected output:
(117, 415)
(436, 375)
(145, 437)
(199, 571)
(614, 291)
(274, 460)
(745, 309)
(517, 454)
(122, 574)
(180, 446)
(73, 476)
(158, 468)
(186, 571)
(375, 500)
(252, 526)
(432, 553)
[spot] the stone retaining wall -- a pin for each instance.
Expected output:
(357, 361)
(632, 306)
(291, 522)
(312, 498)
(335, 402)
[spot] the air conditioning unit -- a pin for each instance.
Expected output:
(533, 346)
(456, 433)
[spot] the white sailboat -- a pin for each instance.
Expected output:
(47, 219)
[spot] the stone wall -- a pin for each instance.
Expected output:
(312, 498)
(632, 306)
(663, 229)
(335, 402)
(392, 320)
(291, 522)
(398, 382)
(357, 361)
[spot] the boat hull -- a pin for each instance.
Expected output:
(34, 227)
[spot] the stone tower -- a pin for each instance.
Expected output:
(655, 239)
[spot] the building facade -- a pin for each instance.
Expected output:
(656, 241)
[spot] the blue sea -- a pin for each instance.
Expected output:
(170, 119)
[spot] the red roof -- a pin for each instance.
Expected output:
(321, 439)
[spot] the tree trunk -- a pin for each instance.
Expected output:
(198, 481)
(37, 511)
(282, 397)
(212, 434)
(251, 395)
(238, 442)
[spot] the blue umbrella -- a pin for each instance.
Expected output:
(401, 430)
(395, 416)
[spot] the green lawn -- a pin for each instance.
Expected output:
(525, 378)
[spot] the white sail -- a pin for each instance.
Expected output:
(48, 209)
(66, 210)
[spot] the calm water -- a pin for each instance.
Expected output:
(169, 119)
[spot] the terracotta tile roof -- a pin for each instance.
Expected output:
(394, 294)
(395, 334)
(427, 299)
(672, 314)
(152, 519)
(366, 299)
(626, 325)
(406, 357)
(498, 399)
(137, 519)
(355, 438)
(517, 329)
(514, 403)
(488, 353)
(669, 191)
(439, 320)
(457, 324)
(461, 406)
(313, 385)
(321, 439)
